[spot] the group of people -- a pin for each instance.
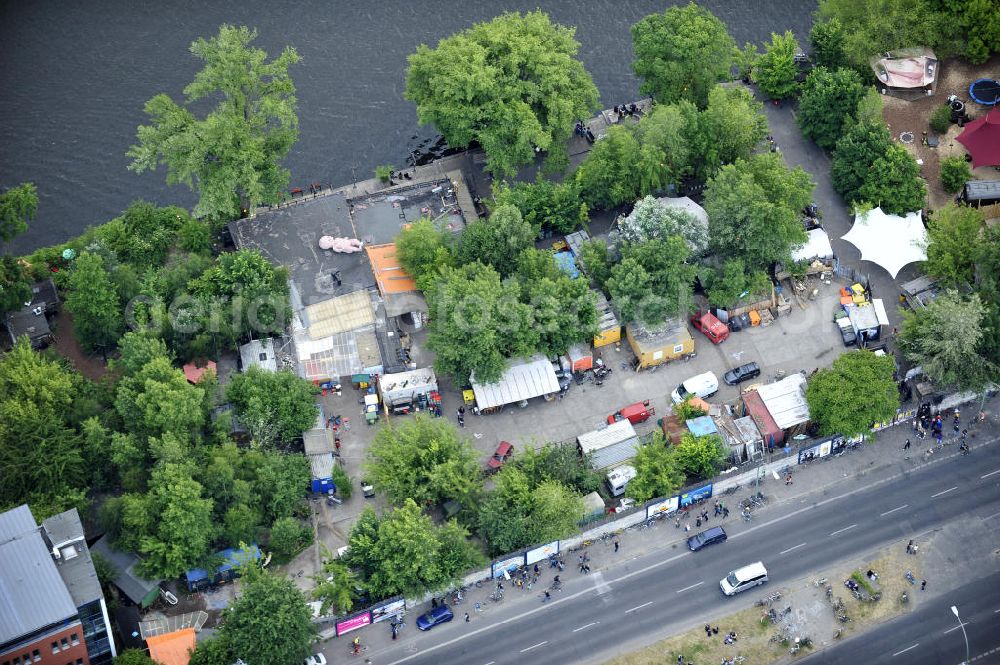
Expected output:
(583, 131)
(624, 110)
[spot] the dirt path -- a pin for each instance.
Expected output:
(66, 345)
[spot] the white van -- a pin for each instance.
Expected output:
(619, 478)
(743, 578)
(703, 385)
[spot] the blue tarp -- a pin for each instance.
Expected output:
(323, 485)
(702, 426)
(567, 264)
(198, 577)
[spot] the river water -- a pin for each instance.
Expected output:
(75, 75)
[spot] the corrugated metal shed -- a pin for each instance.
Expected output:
(137, 588)
(785, 400)
(754, 408)
(27, 576)
(523, 380)
(747, 429)
(611, 456)
(321, 465)
(575, 241)
(609, 436)
(981, 190)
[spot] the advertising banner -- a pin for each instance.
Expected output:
(664, 507)
(353, 623)
(388, 610)
(541, 552)
(510, 564)
(695, 495)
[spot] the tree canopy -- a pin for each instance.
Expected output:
(656, 471)
(894, 183)
(276, 407)
(754, 210)
(946, 338)
(828, 42)
(18, 206)
(423, 248)
(231, 157)
(729, 128)
(651, 220)
(681, 54)
(700, 456)
(857, 391)
(954, 234)
(425, 459)
(512, 85)
(653, 280)
(776, 69)
(97, 320)
(610, 175)
(856, 152)
(827, 103)
(545, 204)
(496, 241)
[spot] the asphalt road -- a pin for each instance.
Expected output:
(930, 635)
(650, 597)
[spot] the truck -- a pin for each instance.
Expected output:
(636, 413)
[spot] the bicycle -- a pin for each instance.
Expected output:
(732, 490)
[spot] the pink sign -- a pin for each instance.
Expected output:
(360, 621)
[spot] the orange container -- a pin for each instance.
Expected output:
(754, 318)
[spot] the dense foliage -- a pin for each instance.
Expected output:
(231, 156)
(513, 85)
(828, 100)
(857, 391)
(545, 204)
(776, 69)
(276, 407)
(954, 244)
(955, 172)
(681, 54)
(18, 206)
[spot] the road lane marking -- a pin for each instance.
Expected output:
(956, 627)
(592, 623)
(846, 528)
(688, 588)
(639, 607)
(491, 662)
(907, 649)
(534, 646)
(888, 512)
(989, 517)
(934, 496)
(791, 548)
(991, 473)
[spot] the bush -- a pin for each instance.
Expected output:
(288, 538)
(342, 481)
(941, 119)
(384, 172)
(954, 173)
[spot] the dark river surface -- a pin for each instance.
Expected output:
(74, 77)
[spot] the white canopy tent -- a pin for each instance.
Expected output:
(890, 241)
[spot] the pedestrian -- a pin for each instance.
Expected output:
(466, 617)
(718, 508)
(906, 446)
(394, 629)
(909, 547)
(687, 527)
(616, 546)
(697, 522)
(923, 584)
(704, 516)
(788, 479)
(434, 603)
(715, 630)
(680, 660)
(725, 512)
(677, 523)
(708, 630)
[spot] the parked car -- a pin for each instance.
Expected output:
(440, 614)
(316, 659)
(501, 455)
(636, 413)
(713, 328)
(707, 537)
(702, 385)
(847, 333)
(367, 488)
(742, 373)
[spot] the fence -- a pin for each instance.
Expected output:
(847, 272)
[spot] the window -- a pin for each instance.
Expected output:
(63, 643)
(79, 661)
(17, 660)
(36, 656)
(55, 647)
(74, 639)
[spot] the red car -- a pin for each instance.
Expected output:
(636, 413)
(714, 329)
(501, 455)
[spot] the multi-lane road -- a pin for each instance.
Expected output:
(655, 595)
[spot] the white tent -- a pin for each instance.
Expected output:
(817, 247)
(523, 380)
(890, 241)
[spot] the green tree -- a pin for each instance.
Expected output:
(827, 103)
(15, 288)
(288, 537)
(496, 241)
(828, 42)
(700, 456)
(563, 312)
(276, 407)
(681, 54)
(137, 349)
(240, 524)
(179, 536)
(945, 339)
(857, 391)
(545, 204)
(18, 206)
(953, 244)
(980, 25)
(940, 119)
(955, 173)
(561, 463)
(269, 619)
(335, 587)
(657, 472)
(594, 257)
(513, 85)
(631, 288)
(97, 318)
(403, 552)
(854, 156)
(894, 183)
(731, 126)
(754, 210)
(422, 249)
(650, 220)
(424, 459)
(280, 484)
(670, 277)
(776, 68)
(133, 657)
(608, 177)
(732, 281)
(158, 399)
(231, 156)
(672, 132)
(143, 234)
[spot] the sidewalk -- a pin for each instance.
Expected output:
(870, 464)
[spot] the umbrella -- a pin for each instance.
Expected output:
(890, 241)
(981, 139)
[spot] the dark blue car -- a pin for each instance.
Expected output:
(440, 614)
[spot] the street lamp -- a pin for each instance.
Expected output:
(954, 610)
